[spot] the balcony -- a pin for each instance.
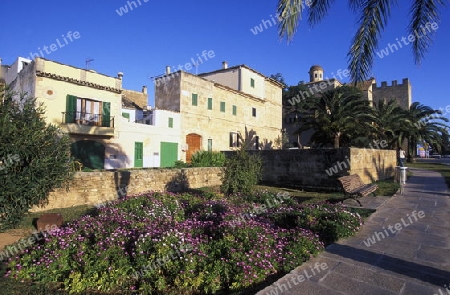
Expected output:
(87, 123)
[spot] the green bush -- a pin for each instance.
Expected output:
(181, 164)
(241, 173)
(34, 157)
(330, 222)
(208, 159)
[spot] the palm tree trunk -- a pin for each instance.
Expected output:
(336, 141)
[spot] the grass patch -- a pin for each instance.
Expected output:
(387, 187)
(69, 214)
(443, 169)
(304, 197)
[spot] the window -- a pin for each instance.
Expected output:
(257, 142)
(222, 106)
(126, 116)
(209, 103)
(234, 139)
(254, 112)
(209, 145)
(88, 112)
(194, 99)
(170, 122)
(252, 83)
(234, 110)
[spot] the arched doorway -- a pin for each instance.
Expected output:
(194, 142)
(90, 153)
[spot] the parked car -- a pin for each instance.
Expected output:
(437, 156)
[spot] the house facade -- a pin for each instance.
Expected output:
(90, 107)
(216, 107)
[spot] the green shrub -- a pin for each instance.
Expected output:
(34, 156)
(330, 222)
(181, 164)
(208, 159)
(241, 173)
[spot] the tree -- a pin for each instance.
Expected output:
(35, 157)
(373, 17)
(279, 77)
(337, 116)
(242, 170)
(426, 127)
(391, 121)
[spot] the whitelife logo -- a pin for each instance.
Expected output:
(391, 48)
(378, 236)
(55, 46)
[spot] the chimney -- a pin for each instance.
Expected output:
(144, 89)
(120, 75)
(224, 65)
(167, 70)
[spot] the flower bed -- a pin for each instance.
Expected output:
(183, 244)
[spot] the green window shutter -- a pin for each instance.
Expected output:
(234, 110)
(126, 116)
(209, 103)
(252, 83)
(222, 106)
(138, 154)
(106, 111)
(71, 108)
(194, 99)
(170, 122)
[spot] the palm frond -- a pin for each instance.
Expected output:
(318, 9)
(289, 14)
(423, 14)
(373, 18)
(355, 5)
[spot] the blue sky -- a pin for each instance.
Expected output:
(143, 41)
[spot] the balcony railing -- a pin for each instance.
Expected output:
(87, 119)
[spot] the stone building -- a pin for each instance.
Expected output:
(318, 83)
(106, 123)
(215, 107)
(401, 92)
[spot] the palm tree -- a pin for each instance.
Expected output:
(391, 122)
(336, 116)
(373, 17)
(426, 127)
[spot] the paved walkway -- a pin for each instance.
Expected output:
(403, 248)
(11, 236)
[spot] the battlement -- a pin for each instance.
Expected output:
(405, 82)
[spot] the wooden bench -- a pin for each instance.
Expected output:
(355, 188)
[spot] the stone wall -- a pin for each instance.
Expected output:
(318, 169)
(372, 164)
(401, 92)
(92, 188)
